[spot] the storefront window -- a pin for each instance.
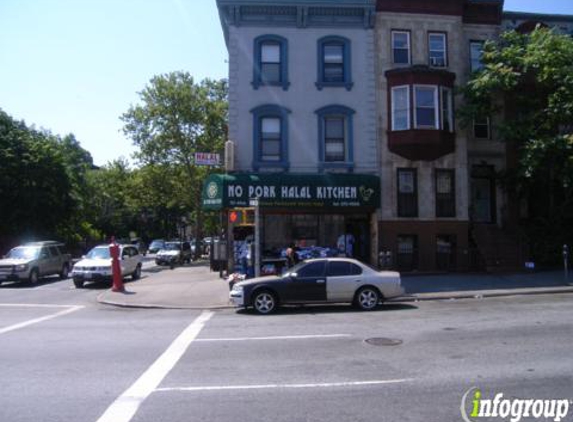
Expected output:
(315, 235)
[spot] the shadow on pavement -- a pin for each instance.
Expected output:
(330, 309)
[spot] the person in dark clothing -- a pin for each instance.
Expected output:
(291, 256)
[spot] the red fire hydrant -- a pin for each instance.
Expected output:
(117, 285)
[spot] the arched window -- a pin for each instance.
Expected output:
(270, 61)
(335, 137)
(270, 137)
(334, 65)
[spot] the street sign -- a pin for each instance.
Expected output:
(207, 159)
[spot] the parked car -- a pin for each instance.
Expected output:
(319, 281)
(96, 265)
(31, 261)
(174, 253)
(199, 246)
(140, 245)
(156, 245)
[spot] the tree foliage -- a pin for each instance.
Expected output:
(175, 119)
(528, 79)
(41, 181)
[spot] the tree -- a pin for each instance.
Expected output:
(176, 118)
(35, 188)
(529, 78)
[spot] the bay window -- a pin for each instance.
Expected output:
(426, 107)
(401, 108)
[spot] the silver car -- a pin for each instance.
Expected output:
(327, 280)
(96, 265)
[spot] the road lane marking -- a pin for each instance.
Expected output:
(284, 386)
(125, 406)
(68, 310)
(301, 337)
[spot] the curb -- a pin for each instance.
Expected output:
(419, 297)
(103, 301)
(481, 294)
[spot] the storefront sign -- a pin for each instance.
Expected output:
(207, 159)
(292, 190)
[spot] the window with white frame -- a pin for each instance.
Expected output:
(401, 108)
(270, 141)
(482, 128)
(426, 107)
(476, 52)
(447, 110)
(437, 48)
(401, 47)
(334, 138)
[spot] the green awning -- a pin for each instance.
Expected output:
(279, 190)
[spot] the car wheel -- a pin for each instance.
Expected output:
(367, 298)
(78, 283)
(34, 277)
(137, 273)
(264, 302)
(64, 274)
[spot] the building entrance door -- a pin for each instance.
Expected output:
(359, 228)
(483, 200)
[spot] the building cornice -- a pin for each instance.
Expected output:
(297, 13)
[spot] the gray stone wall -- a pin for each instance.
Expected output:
(303, 98)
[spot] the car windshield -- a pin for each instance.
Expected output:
(295, 269)
(100, 252)
(24, 253)
(172, 246)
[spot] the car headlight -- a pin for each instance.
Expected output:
(21, 267)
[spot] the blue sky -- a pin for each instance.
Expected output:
(74, 66)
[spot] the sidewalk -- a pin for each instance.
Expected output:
(188, 287)
(196, 287)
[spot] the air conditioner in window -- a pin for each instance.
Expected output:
(229, 156)
(437, 62)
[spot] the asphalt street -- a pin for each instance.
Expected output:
(64, 357)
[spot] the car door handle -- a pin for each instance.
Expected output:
(320, 281)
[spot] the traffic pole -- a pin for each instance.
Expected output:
(117, 280)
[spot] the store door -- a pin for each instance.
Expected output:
(360, 230)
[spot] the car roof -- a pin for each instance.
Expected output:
(335, 259)
(121, 245)
(44, 243)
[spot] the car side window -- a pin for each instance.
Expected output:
(44, 253)
(133, 251)
(338, 269)
(313, 269)
(54, 251)
(355, 269)
(125, 252)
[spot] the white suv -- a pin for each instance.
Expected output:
(96, 265)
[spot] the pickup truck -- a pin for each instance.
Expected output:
(31, 261)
